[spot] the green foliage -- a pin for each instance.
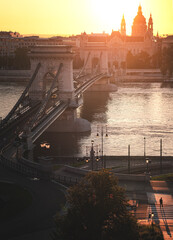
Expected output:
(152, 232)
(6, 62)
(19, 62)
(21, 59)
(97, 211)
(167, 61)
(78, 164)
(164, 177)
(157, 59)
(139, 61)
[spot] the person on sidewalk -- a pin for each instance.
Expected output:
(161, 202)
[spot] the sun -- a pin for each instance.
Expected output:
(108, 13)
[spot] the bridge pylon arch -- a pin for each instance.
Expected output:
(50, 58)
(95, 50)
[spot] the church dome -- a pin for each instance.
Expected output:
(139, 19)
(139, 27)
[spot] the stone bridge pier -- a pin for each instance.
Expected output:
(50, 58)
(95, 55)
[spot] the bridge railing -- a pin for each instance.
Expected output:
(67, 180)
(87, 84)
(24, 166)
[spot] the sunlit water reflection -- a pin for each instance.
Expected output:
(133, 112)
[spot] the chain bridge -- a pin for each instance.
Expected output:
(52, 104)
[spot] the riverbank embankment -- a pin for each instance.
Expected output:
(15, 75)
(130, 75)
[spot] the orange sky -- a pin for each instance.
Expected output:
(76, 16)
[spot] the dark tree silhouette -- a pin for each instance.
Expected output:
(167, 61)
(139, 61)
(97, 210)
(21, 59)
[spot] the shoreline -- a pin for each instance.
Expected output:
(15, 79)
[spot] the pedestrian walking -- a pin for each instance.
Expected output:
(161, 202)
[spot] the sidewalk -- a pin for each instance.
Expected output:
(167, 229)
(166, 225)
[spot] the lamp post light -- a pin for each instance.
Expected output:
(45, 145)
(97, 158)
(147, 161)
(93, 155)
(102, 135)
(152, 217)
(87, 158)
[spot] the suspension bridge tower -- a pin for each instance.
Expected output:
(50, 57)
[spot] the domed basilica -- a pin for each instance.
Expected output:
(120, 44)
(140, 40)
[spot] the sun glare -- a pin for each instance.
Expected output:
(109, 13)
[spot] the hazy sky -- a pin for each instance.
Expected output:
(76, 16)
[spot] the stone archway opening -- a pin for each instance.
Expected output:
(50, 58)
(95, 62)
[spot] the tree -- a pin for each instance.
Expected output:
(97, 211)
(21, 59)
(167, 61)
(156, 59)
(139, 61)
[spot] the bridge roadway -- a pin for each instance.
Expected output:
(51, 113)
(55, 111)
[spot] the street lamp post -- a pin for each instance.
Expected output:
(17, 142)
(147, 161)
(160, 155)
(129, 159)
(152, 217)
(92, 155)
(102, 135)
(144, 147)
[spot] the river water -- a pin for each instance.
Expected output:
(135, 111)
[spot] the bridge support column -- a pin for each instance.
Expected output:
(50, 58)
(104, 62)
(69, 122)
(66, 87)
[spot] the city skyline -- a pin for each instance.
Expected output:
(67, 17)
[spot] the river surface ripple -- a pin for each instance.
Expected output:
(133, 112)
